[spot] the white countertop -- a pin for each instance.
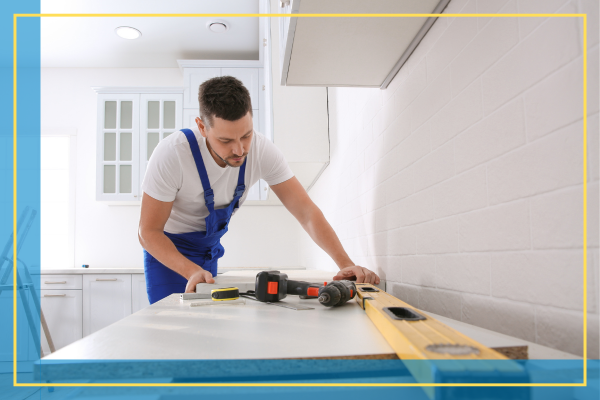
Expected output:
(68, 271)
(170, 329)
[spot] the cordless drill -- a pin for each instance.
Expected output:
(273, 286)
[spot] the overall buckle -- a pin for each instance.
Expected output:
(239, 191)
(209, 196)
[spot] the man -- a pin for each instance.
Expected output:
(197, 178)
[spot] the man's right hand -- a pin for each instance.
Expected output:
(201, 276)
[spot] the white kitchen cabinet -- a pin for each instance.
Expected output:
(106, 299)
(139, 296)
(99, 299)
(161, 114)
(117, 154)
(63, 313)
(131, 122)
(189, 117)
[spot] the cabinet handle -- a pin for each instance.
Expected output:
(105, 280)
(54, 295)
(54, 283)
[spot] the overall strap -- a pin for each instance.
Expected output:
(195, 148)
(241, 187)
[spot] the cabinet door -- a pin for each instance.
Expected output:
(192, 79)
(62, 311)
(264, 105)
(256, 120)
(189, 117)
(106, 299)
(117, 160)
(249, 77)
(139, 295)
(160, 116)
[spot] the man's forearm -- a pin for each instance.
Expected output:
(163, 249)
(324, 236)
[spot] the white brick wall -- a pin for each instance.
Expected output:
(462, 183)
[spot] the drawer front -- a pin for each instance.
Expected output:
(61, 281)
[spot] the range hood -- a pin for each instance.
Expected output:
(350, 51)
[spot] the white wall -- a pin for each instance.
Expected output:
(106, 236)
(462, 183)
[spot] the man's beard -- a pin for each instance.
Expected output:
(228, 163)
(231, 165)
(225, 159)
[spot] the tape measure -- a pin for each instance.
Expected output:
(225, 294)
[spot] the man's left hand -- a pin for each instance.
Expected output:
(363, 275)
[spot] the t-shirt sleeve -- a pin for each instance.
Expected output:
(163, 173)
(273, 166)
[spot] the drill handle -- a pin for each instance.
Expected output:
(301, 288)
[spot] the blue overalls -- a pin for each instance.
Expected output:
(203, 248)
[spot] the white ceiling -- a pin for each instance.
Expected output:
(90, 42)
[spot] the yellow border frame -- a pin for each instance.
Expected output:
(584, 383)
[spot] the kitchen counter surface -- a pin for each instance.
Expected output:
(67, 271)
(179, 338)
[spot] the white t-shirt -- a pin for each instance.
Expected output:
(171, 175)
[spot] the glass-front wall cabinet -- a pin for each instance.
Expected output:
(130, 126)
(117, 147)
(160, 116)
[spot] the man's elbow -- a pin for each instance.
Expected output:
(143, 237)
(140, 237)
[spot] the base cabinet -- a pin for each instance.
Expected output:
(62, 311)
(106, 299)
(77, 305)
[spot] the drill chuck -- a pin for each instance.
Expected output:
(324, 298)
(336, 293)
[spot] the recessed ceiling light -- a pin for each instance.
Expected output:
(217, 26)
(127, 32)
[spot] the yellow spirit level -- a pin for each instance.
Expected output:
(432, 351)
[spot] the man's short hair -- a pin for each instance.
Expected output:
(224, 97)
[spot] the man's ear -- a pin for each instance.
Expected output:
(201, 126)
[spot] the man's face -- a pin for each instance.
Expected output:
(228, 141)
